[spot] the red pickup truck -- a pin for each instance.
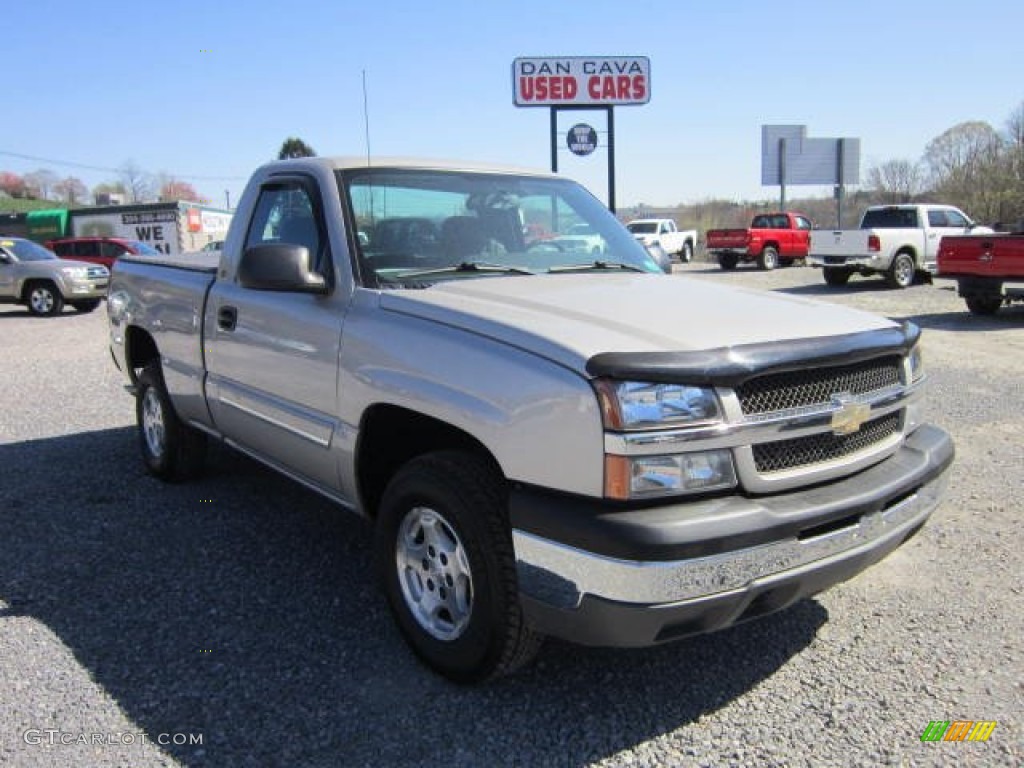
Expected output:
(772, 239)
(989, 269)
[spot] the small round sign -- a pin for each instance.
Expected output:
(582, 139)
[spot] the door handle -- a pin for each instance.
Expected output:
(227, 317)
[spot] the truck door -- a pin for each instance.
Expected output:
(942, 223)
(272, 356)
(800, 238)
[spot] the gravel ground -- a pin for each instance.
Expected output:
(240, 611)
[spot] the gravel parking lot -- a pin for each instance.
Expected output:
(235, 621)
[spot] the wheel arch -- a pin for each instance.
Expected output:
(139, 350)
(391, 435)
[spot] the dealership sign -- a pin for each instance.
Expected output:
(581, 80)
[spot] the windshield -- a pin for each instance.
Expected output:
(145, 248)
(642, 227)
(26, 250)
(417, 226)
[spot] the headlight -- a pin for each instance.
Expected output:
(75, 273)
(643, 477)
(915, 364)
(644, 405)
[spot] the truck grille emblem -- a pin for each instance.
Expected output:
(850, 415)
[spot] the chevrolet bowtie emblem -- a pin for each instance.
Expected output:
(849, 416)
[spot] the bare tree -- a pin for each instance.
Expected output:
(895, 181)
(137, 183)
(966, 165)
(71, 190)
(40, 183)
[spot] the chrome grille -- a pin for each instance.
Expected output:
(814, 449)
(94, 272)
(816, 386)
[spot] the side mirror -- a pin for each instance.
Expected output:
(4, 258)
(280, 267)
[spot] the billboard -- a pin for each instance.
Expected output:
(786, 149)
(600, 81)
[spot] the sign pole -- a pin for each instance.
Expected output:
(611, 158)
(782, 173)
(554, 139)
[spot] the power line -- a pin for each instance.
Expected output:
(103, 169)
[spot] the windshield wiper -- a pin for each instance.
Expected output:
(466, 266)
(586, 266)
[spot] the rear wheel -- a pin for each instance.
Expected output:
(984, 305)
(444, 549)
(727, 260)
(769, 258)
(43, 299)
(901, 271)
(686, 253)
(836, 276)
(171, 449)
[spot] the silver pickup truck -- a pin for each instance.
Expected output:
(548, 441)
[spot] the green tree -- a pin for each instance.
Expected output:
(295, 147)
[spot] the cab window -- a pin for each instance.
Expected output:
(285, 214)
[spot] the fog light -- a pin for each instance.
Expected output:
(640, 477)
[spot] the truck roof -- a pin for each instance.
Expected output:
(351, 162)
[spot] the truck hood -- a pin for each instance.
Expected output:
(570, 318)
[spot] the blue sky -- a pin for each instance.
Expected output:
(208, 91)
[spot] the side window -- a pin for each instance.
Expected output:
(937, 219)
(802, 223)
(112, 250)
(89, 249)
(285, 213)
(956, 219)
(64, 250)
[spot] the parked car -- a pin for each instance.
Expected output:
(664, 232)
(546, 442)
(898, 242)
(988, 269)
(770, 240)
(581, 237)
(99, 250)
(213, 245)
(33, 276)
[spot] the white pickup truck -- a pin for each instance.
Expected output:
(547, 442)
(663, 232)
(897, 241)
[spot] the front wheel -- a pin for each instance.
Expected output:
(444, 550)
(85, 305)
(901, 271)
(686, 253)
(44, 300)
(984, 305)
(171, 449)
(769, 258)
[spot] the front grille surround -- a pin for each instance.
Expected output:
(793, 390)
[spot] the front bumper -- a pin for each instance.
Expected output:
(600, 575)
(86, 289)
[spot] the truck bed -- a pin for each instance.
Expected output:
(982, 255)
(196, 261)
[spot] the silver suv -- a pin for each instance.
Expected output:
(37, 278)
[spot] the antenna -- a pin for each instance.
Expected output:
(366, 119)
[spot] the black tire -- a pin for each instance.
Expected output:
(460, 614)
(769, 258)
(171, 450)
(686, 253)
(86, 305)
(984, 305)
(43, 299)
(901, 271)
(836, 275)
(728, 260)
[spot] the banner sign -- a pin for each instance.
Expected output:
(581, 80)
